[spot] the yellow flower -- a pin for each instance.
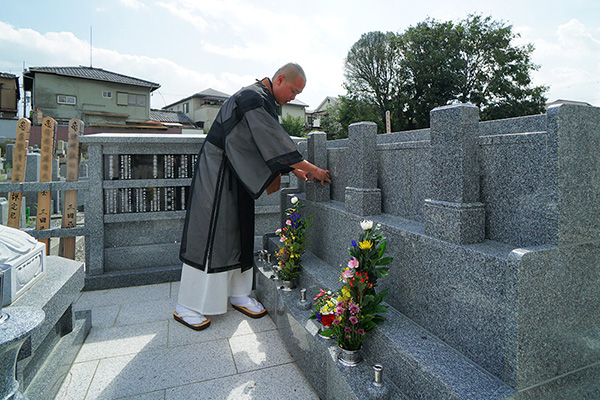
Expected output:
(367, 244)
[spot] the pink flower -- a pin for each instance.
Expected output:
(278, 231)
(361, 331)
(354, 309)
(347, 330)
(353, 263)
(347, 274)
(288, 222)
(353, 320)
(282, 239)
(336, 321)
(339, 310)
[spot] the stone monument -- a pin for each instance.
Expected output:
(22, 261)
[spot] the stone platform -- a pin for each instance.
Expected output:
(47, 355)
(417, 364)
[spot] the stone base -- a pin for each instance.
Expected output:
(363, 202)
(134, 277)
(42, 353)
(458, 223)
(316, 192)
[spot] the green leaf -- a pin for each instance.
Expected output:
(381, 309)
(327, 332)
(385, 261)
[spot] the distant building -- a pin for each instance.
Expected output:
(99, 98)
(295, 108)
(560, 101)
(201, 107)
(9, 95)
(314, 117)
(171, 118)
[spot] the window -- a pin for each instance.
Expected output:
(70, 100)
(136, 100)
(106, 94)
(128, 99)
(186, 108)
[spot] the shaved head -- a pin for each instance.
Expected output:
(291, 71)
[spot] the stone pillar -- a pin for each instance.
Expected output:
(317, 154)
(453, 212)
(573, 165)
(362, 196)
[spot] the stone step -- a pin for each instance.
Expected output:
(416, 363)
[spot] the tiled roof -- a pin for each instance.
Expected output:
(170, 116)
(205, 94)
(94, 74)
(212, 93)
(6, 75)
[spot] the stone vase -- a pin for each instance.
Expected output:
(288, 285)
(349, 358)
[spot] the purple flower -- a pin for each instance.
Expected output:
(336, 321)
(354, 309)
(347, 330)
(353, 320)
(354, 244)
(361, 331)
(339, 310)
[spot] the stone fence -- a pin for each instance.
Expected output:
(494, 228)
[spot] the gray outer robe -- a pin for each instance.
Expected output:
(244, 151)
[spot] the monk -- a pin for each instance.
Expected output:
(245, 152)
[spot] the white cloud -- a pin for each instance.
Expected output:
(133, 4)
(569, 62)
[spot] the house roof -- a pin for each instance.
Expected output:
(97, 74)
(170, 116)
(6, 75)
(297, 102)
(205, 94)
(325, 103)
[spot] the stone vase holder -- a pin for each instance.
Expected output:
(18, 324)
(349, 358)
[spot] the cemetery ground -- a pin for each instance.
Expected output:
(136, 350)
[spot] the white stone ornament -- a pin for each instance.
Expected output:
(22, 260)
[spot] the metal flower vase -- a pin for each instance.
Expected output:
(349, 358)
(288, 285)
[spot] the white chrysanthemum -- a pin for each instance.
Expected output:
(366, 225)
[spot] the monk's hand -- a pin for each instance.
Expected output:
(300, 174)
(322, 175)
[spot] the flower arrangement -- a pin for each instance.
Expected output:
(324, 307)
(357, 305)
(293, 236)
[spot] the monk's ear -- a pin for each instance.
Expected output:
(280, 80)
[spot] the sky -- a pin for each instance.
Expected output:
(188, 46)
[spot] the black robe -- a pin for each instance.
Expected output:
(244, 151)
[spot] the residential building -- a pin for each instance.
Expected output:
(9, 98)
(9, 95)
(98, 97)
(314, 117)
(294, 108)
(201, 107)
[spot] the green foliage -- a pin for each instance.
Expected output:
(437, 63)
(347, 111)
(294, 126)
(294, 238)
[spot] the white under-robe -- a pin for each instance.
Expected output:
(208, 294)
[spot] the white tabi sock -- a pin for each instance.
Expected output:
(189, 316)
(244, 301)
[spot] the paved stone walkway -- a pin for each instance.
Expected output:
(136, 350)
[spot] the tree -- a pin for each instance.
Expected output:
(348, 110)
(294, 126)
(371, 69)
(438, 63)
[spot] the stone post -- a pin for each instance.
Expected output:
(453, 212)
(362, 196)
(573, 165)
(317, 154)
